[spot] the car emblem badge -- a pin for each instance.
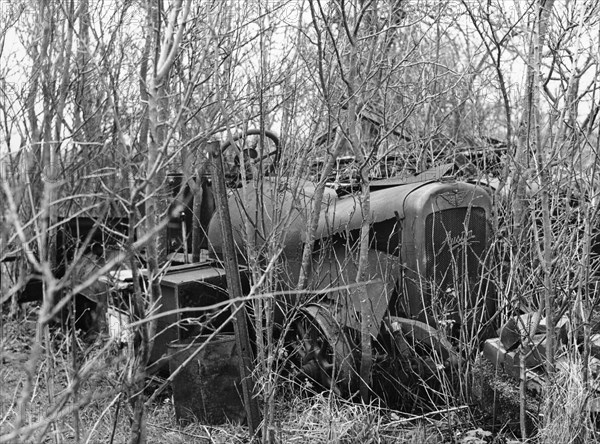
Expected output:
(454, 198)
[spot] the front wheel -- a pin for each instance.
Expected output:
(321, 353)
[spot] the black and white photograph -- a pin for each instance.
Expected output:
(299, 221)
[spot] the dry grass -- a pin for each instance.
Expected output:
(326, 419)
(565, 414)
(103, 415)
(104, 412)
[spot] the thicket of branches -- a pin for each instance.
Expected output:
(99, 102)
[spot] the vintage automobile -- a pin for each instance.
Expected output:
(429, 246)
(427, 260)
(427, 263)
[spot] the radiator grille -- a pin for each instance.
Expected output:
(455, 241)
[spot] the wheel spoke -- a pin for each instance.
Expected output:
(320, 351)
(314, 353)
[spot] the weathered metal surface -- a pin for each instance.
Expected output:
(518, 327)
(522, 341)
(338, 370)
(197, 286)
(207, 385)
(426, 334)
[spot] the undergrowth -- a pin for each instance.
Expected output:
(103, 412)
(567, 409)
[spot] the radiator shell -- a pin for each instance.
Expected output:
(447, 231)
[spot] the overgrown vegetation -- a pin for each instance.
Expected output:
(101, 104)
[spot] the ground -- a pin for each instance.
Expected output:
(103, 413)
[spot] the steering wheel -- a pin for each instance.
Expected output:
(251, 153)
